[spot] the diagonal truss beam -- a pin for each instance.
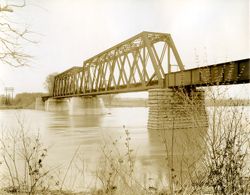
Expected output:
(137, 64)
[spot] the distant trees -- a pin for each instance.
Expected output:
(12, 36)
(49, 82)
(22, 100)
(26, 100)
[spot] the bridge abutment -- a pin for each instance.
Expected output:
(180, 119)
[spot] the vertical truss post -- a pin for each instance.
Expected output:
(176, 54)
(153, 59)
(129, 59)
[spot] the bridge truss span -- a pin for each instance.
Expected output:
(147, 60)
(137, 64)
(68, 82)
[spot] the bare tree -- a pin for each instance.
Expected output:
(12, 36)
(49, 83)
(223, 168)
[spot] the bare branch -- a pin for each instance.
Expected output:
(9, 7)
(12, 37)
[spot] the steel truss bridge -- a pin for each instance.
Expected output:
(147, 60)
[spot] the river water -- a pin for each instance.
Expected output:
(87, 135)
(64, 134)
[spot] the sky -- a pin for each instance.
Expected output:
(71, 31)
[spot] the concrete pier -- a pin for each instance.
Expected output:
(180, 119)
(57, 104)
(39, 105)
(86, 105)
(74, 105)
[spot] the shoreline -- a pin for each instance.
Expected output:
(10, 107)
(137, 102)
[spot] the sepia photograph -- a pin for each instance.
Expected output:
(124, 97)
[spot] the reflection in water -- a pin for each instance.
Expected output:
(65, 132)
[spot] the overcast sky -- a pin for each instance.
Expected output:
(71, 31)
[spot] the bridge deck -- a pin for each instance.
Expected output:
(236, 72)
(145, 61)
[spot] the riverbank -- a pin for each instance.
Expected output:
(143, 102)
(10, 107)
(126, 102)
(21, 101)
(50, 192)
(228, 102)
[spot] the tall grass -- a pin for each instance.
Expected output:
(223, 166)
(23, 158)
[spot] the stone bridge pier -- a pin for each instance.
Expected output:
(179, 117)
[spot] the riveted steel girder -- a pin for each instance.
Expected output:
(137, 64)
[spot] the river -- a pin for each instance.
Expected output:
(88, 135)
(63, 134)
